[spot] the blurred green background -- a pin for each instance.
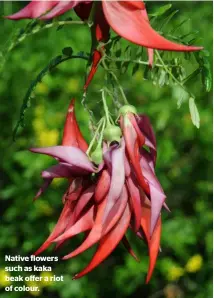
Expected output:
(184, 165)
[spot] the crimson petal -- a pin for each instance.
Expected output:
(132, 25)
(108, 243)
(83, 224)
(59, 227)
(135, 201)
(154, 241)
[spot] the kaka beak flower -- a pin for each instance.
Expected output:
(142, 162)
(105, 208)
(71, 156)
(128, 19)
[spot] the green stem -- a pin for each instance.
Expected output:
(138, 62)
(117, 82)
(101, 134)
(39, 29)
(170, 73)
(105, 107)
(95, 136)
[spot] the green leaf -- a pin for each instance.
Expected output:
(167, 19)
(161, 10)
(207, 78)
(194, 112)
(67, 51)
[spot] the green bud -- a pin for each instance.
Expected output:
(112, 133)
(97, 155)
(127, 109)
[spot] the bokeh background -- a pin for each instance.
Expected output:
(184, 165)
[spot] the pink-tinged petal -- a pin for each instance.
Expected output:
(74, 190)
(145, 126)
(115, 212)
(59, 227)
(33, 10)
(150, 139)
(149, 174)
(83, 201)
(129, 249)
(133, 5)
(94, 235)
(72, 135)
(60, 9)
(150, 56)
(102, 186)
(157, 200)
(117, 177)
(108, 243)
(150, 51)
(132, 148)
(154, 241)
(44, 186)
(132, 25)
(156, 192)
(83, 224)
(127, 167)
(140, 136)
(135, 201)
(68, 154)
(62, 170)
(101, 228)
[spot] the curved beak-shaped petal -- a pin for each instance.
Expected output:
(102, 186)
(117, 177)
(33, 10)
(108, 242)
(59, 227)
(72, 135)
(67, 154)
(83, 224)
(132, 25)
(59, 9)
(154, 240)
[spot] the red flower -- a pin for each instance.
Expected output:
(72, 143)
(123, 192)
(128, 19)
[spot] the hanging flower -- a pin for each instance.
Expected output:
(123, 191)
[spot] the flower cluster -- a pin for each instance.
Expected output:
(104, 200)
(113, 186)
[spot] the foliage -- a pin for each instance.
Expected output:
(184, 162)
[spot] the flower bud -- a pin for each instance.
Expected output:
(112, 133)
(127, 109)
(97, 155)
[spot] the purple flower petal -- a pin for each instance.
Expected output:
(44, 186)
(63, 170)
(60, 8)
(147, 129)
(117, 176)
(33, 10)
(67, 154)
(156, 192)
